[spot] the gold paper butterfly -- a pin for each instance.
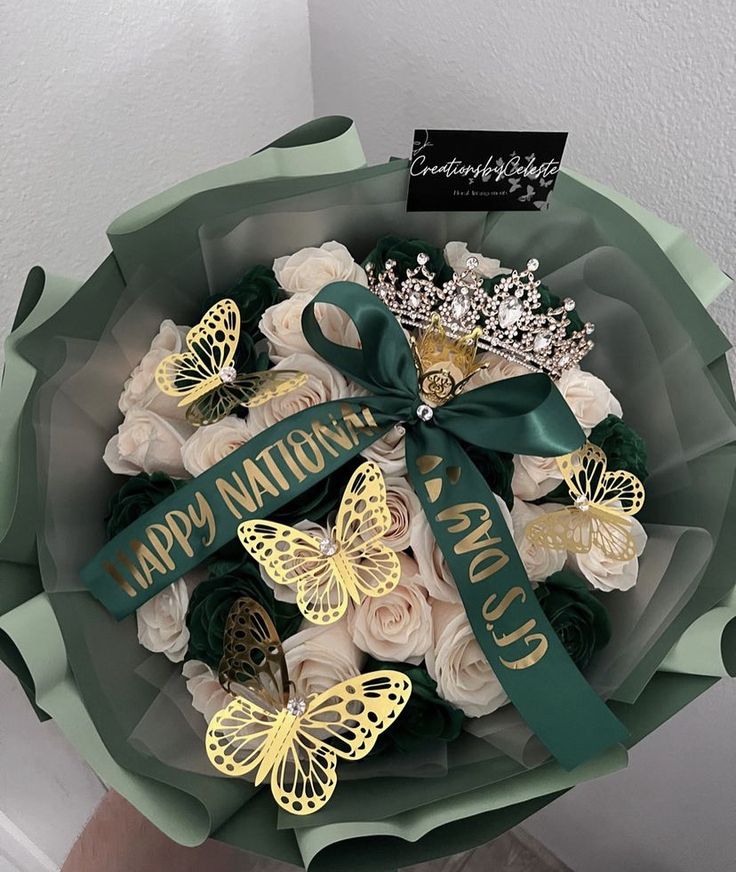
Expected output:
(297, 741)
(329, 572)
(600, 514)
(205, 378)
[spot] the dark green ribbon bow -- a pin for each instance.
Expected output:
(522, 415)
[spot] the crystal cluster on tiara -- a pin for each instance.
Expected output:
(510, 318)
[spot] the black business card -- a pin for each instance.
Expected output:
(483, 170)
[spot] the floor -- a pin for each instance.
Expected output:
(119, 839)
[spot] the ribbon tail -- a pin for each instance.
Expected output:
(527, 657)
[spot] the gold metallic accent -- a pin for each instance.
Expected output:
(453, 474)
(327, 574)
(293, 740)
(444, 364)
(600, 514)
(434, 489)
(427, 462)
(204, 377)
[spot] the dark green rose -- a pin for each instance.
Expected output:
(624, 448)
(212, 600)
(253, 294)
(576, 615)
(497, 468)
(404, 252)
(425, 715)
(318, 500)
(139, 494)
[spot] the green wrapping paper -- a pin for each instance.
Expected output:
(474, 802)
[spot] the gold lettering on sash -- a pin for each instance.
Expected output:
(326, 435)
(181, 527)
(493, 614)
(202, 516)
(273, 468)
(355, 423)
(259, 482)
(534, 657)
(121, 557)
(118, 578)
(299, 440)
(289, 460)
(146, 560)
(234, 496)
(161, 545)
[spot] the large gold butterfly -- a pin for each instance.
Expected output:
(328, 572)
(600, 514)
(271, 730)
(205, 378)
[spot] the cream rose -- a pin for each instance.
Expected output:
(210, 444)
(606, 574)
(281, 324)
(433, 568)
(140, 390)
(320, 657)
(457, 254)
(404, 508)
(310, 269)
(208, 695)
(324, 383)
(589, 397)
(459, 666)
(398, 625)
(146, 442)
(534, 477)
(389, 452)
(539, 562)
(161, 622)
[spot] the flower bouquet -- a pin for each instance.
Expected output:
(331, 526)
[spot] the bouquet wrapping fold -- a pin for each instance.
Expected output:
(72, 346)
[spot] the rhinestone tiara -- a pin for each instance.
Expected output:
(509, 317)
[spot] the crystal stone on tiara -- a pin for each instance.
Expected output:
(509, 318)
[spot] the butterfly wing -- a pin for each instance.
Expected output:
(252, 652)
(583, 471)
(294, 558)
(256, 388)
(211, 347)
(566, 529)
(239, 737)
(363, 519)
(620, 491)
(345, 722)
(611, 533)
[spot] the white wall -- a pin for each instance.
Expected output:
(106, 103)
(647, 89)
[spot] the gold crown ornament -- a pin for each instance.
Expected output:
(507, 320)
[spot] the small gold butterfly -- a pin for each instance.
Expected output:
(329, 572)
(600, 514)
(270, 730)
(205, 377)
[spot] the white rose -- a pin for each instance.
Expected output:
(457, 254)
(141, 390)
(606, 574)
(534, 477)
(539, 562)
(433, 568)
(589, 397)
(281, 324)
(209, 445)
(496, 369)
(458, 665)
(208, 695)
(161, 622)
(324, 383)
(398, 625)
(320, 657)
(404, 508)
(389, 452)
(310, 269)
(146, 442)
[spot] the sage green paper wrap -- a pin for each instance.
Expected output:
(86, 670)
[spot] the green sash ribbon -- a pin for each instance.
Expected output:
(523, 415)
